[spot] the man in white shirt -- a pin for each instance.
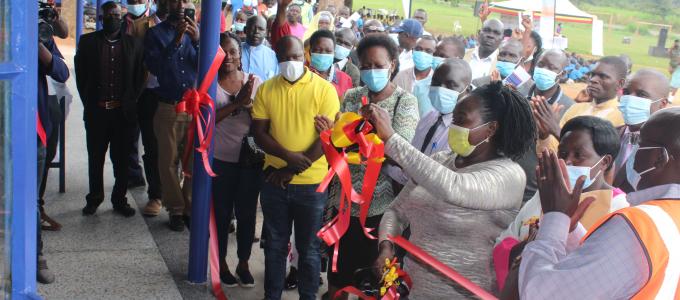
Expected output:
(421, 16)
(450, 83)
(482, 59)
(408, 33)
(619, 259)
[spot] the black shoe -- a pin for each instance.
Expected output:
(136, 182)
(90, 209)
(176, 223)
(228, 279)
(124, 210)
(187, 221)
(246, 279)
(291, 279)
(44, 275)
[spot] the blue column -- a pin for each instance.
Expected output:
(22, 72)
(99, 13)
(79, 19)
(202, 182)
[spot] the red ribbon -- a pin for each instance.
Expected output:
(41, 130)
(442, 268)
(191, 103)
(214, 257)
(373, 152)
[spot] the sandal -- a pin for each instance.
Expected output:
(47, 223)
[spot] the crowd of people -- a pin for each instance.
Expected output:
(523, 190)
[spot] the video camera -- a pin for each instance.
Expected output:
(46, 16)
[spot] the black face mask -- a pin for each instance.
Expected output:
(111, 25)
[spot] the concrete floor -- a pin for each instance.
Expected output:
(107, 256)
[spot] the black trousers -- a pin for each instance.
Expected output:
(106, 128)
(146, 108)
(56, 115)
(235, 191)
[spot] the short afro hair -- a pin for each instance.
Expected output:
(378, 40)
(603, 134)
(618, 64)
(319, 34)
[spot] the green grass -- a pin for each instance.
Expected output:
(442, 17)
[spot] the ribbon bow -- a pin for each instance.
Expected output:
(201, 107)
(350, 129)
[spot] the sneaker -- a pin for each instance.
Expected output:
(44, 275)
(291, 279)
(89, 209)
(152, 208)
(124, 210)
(176, 223)
(228, 279)
(245, 278)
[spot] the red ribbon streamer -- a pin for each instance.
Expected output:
(41, 130)
(214, 257)
(373, 152)
(442, 268)
(191, 103)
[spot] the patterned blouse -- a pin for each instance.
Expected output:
(403, 107)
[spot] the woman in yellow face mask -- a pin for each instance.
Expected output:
(459, 201)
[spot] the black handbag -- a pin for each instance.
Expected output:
(251, 156)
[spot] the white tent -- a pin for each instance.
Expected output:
(565, 11)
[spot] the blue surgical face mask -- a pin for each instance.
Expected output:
(443, 100)
(341, 52)
(635, 110)
(544, 78)
(321, 62)
(375, 79)
(153, 8)
(633, 175)
(575, 172)
(505, 68)
(136, 9)
(239, 27)
(247, 2)
(436, 61)
(422, 60)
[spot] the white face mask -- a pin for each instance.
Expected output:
(292, 70)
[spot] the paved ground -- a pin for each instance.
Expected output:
(110, 257)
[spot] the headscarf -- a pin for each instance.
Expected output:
(314, 25)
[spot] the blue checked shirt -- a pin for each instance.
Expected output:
(175, 67)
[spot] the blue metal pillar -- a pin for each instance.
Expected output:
(79, 19)
(202, 182)
(19, 74)
(99, 13)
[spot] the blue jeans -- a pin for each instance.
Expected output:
(300, 205)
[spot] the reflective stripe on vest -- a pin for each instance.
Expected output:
(656, 224)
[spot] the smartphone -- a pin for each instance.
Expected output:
(190, 13)
(521, 16)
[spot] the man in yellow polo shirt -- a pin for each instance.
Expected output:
(283, 125)
(606, 79)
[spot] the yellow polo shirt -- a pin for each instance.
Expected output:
(291, 109)
(607, 110)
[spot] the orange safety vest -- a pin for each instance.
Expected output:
(657, 226)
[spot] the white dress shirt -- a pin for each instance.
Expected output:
(439, 141)
(481, 66)
(611, 263)
(406, 60)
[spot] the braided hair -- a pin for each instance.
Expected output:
(225, 36)
(516, 131)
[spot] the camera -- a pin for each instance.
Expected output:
(46, 15)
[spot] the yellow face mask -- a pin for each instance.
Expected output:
(459, 139)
